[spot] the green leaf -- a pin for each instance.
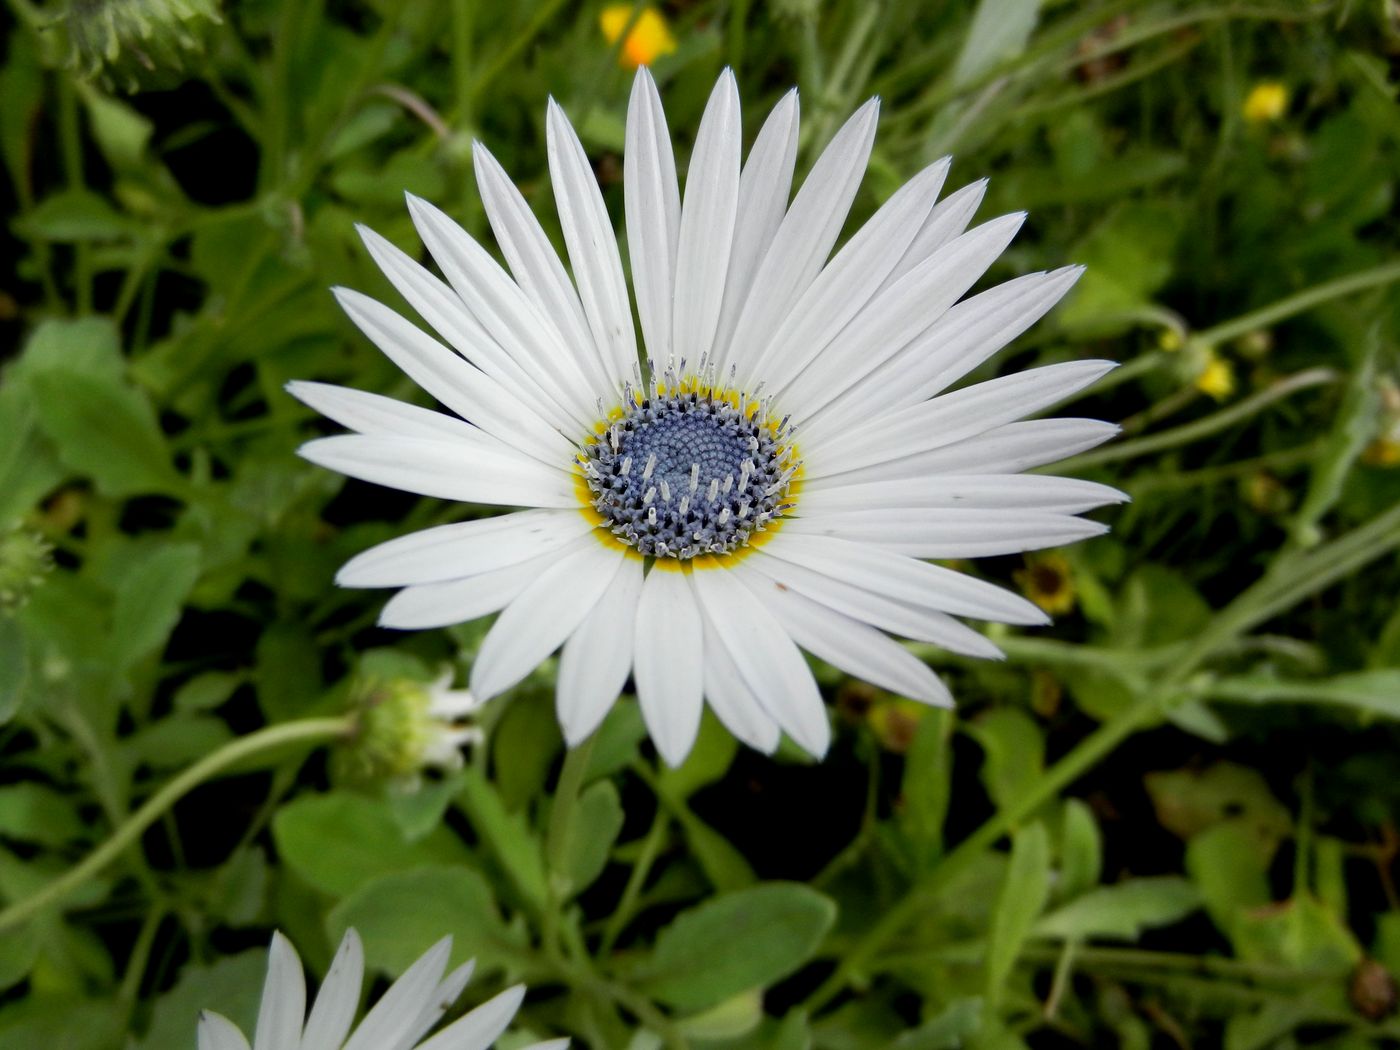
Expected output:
(1015, 753)
(32, 812)
(524, 745)
(339, 841)
(734, 943)
(1122, 911)
(999, 32)
(105, 430)
(151, 591)
(509, 838)
(14, 668)
(589, 838)
(926, 787)
(65, 1020)
(401, 915)
(1081, 851)
(74, 217)
(232, 986)
(710, 758)
(1023, 893)
(1188, 801)
(287, 670)
(1229, 863)
(958, 1022)
(29, 467)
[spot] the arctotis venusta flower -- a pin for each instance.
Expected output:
(769, 471)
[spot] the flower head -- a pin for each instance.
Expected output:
(406, 725)
(647, 40)
(771, 471)
(405, 1013)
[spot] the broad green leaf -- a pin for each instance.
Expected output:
(232, 986)
(1022, 896)
(1229, 863)
(32, 812)
(206, 691)
(710, 758)
(64, 1020)
(1129, 257)
(509, 839)
(339, 841)
(589, 838)
(105, 430)
(958, 1022)
(288, 669)
(734, 943)
(401, 915)
(1122, 911)
(1188, 801)
(730, 1019)
(29, 466)
(19, 950)
(1301, 932)
(1081, 851)
(150, 592)
(75, 217)
(524, 744)
(1015, 753)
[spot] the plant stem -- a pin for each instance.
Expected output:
(310, 730)
(636, 881)
(1086, 754)
(1296, 304)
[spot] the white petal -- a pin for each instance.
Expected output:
(339, 998)
(441, 307)
(283, 1009)
(945, 222)
(707, 223)
(480, 1028)
(597, 658)
(904, 578)
(905, 619)
(536, 267)
(962, 414)
(465, 548)
(217, 1032)
(901, 312)
(950, 532)
(850, 280)
(396, 1014)
(447, 990)
(732, 701)
(764, 186)
(958, 342)
(766, 657)
(463, 388)
(668, 664)
(805, 238)
(542, 616)
(989, 491)
(457, 601)
(846, 643)
(1006, 450)
(505, 312)
(481, 471)
(374, 414)
(549, 1044)
(653, 204)
(592, 247)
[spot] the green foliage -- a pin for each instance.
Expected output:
(1167, 819)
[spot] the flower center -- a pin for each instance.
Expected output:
(689, 470)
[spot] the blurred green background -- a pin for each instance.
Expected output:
(1169, 820)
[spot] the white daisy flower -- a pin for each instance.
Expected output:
(768, 474)
(402, 1017)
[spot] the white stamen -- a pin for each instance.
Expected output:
(714, 489)
(626, 465)
(665, 491)
(649, 496)
(651, 465)
(695, 478)
(728, 484)
(685, 505)
(724, 517)
(651, 516)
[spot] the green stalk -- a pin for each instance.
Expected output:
(310, 730)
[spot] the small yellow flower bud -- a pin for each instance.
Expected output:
(649, 38)
(1217, 379)
(1266, 102)
(1046, 580)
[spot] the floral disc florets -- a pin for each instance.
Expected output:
(687, 468)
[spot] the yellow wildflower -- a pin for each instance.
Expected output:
(894, 722)
(1266, 102)
(649, 38)
(1217, 379)
(1046, 581)
(1169, 339)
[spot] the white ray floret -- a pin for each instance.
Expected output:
(766, 473)
(402, 1017)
